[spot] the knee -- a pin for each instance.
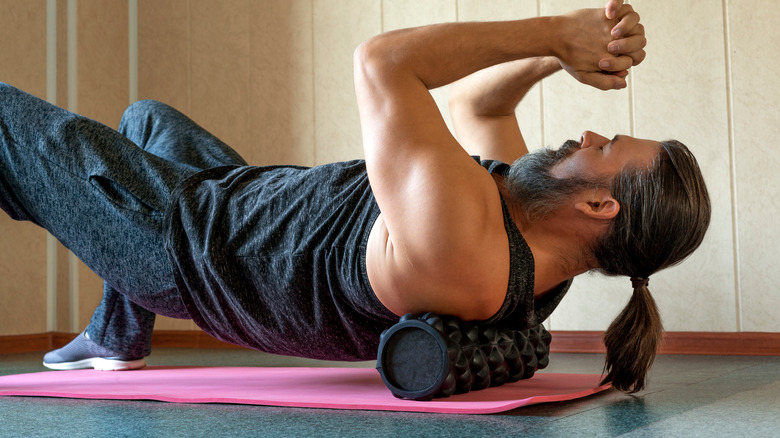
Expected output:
(144, 108)
(143, 114)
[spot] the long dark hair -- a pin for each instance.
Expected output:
(664, 214)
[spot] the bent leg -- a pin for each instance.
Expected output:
(117, 338)
(91, 187)
(157, 128)
(96, 192)
(165, 132)
(121, 325)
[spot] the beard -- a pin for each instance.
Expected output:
(539, 193)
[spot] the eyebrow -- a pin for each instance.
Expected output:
(616, 138)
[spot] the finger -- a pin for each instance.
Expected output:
(638, 56)
(639, 29)
(612, 8)
(630, 44)
(616, 64)
(621, 74)
(628, 19)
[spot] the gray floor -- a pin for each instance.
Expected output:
(687, 396)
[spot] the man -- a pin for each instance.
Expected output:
(318, 261)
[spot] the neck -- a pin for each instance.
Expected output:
(557, 244)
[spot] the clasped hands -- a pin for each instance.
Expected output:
(598, 46)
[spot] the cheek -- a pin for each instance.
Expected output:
(567, 168)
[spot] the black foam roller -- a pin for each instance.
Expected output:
(436, 356)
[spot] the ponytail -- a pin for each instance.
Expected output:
(664, 214)
(632, 340)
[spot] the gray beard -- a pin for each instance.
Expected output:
(538, 192)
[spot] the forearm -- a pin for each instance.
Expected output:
(496, 91)
(483, 105)
(441, 54)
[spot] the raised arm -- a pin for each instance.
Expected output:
(444, 248)
(483, 104)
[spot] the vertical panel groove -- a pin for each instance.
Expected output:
(72, 55)
(732, 165)
(132, 50)
(457, 11)
(51, 97)
(51, 51)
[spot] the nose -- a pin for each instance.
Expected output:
(590, 139)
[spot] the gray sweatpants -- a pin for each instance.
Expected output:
(102, 193)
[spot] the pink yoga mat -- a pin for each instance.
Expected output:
(334, 388)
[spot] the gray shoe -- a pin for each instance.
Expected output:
(83, 353)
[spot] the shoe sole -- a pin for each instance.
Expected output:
(99, 364)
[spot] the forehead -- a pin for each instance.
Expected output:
(626, 150)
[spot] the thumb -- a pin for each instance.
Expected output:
(612, 7)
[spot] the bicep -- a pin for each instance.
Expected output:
(425, 183)
(440, 209)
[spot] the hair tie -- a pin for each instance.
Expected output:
(638, 282)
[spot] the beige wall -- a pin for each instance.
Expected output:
(273, 78)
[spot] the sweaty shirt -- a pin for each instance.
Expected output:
(273, 258)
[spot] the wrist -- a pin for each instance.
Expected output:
(557, 38)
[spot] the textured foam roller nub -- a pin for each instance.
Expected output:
(436, 356)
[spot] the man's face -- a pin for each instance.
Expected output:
(545, 179)
(597, 157)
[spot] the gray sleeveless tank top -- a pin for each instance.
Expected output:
(273, 258)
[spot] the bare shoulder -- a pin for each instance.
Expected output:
(464, 273)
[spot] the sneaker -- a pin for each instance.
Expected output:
(83, 353)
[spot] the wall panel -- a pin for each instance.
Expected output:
(753, 40)
(274, 80)
(569, 109)
(164, 52)
(282, 85)
(102, 94)
(219, 69)
(339, 27)
(689, 103)
(23, 248)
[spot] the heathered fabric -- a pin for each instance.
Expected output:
(267, 257)
(165, 132)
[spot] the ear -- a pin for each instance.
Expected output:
(598, 204)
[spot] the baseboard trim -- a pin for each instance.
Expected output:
(700, 343)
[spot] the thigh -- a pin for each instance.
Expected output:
(92, 188)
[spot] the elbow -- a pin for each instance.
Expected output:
(361, 54)
(369, 57)
(382, 58)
